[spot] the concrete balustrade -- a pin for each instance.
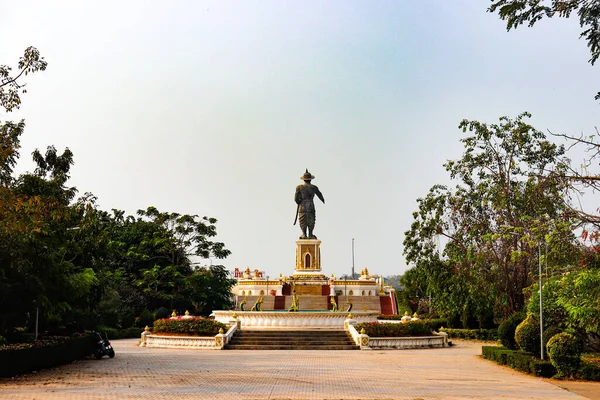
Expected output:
(308, 320)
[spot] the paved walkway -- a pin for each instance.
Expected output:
(144, 373)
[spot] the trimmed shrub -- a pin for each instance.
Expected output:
(506, 331)
(518, 360)
(413, 328)
(564, 351)
(473, 334)
(527, 335)
(589, 371)
(45, 353)
(194, 326)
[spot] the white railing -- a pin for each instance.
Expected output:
(216, 342)
(354, 333)
(411, 342)
(180, 342)
(230, 332)
(294, 320)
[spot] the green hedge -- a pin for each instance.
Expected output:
(475, 334)
(45, 353)
(113, 333)
(413, 328)
(190, 326)
(589, 371)
(519, 360)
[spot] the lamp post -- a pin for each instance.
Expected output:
(352, 258)
(541, 307)
(345, 283)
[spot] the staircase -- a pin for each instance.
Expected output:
(291, 340)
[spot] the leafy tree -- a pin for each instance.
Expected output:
(505, 204)
(10, 87)
(518, 12)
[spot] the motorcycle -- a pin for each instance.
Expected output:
(103, 347)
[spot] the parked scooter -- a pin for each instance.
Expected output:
(103, 347)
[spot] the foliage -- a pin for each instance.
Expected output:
(195, 326)
(506, 330)
(434, 323)
(126, 333)
(44, 353)
(505, 204)
(564, 351)
(519, 360)
(571, 300)
(590, 367)
(161, 313)
(10, 88)
(471, 334)
(412, 328)
(518, 12)
(548, 334)
(3, 341)
(527, 335)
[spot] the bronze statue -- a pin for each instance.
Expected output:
(306, 207)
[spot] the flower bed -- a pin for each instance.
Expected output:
(412, 328)
(190, 326)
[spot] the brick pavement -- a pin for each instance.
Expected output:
(146, 373)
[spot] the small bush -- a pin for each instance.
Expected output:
(195, 326)
(3, 342)
(473, 334)
(527, 335)
(413, 328)
(112, 333)
(518, 360)
(589, 371)
(564, 351)
(506, 331)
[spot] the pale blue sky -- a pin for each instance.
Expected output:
(216, 108)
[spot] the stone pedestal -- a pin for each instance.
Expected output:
(308, 257)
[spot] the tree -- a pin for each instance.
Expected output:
(518, 12)
(505, 204)
(10, 87)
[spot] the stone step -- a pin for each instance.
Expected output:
(289, 347)
(291, 333)
(291, 340)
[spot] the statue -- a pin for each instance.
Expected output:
(295, 303)
(242, 304)
(333, 304)
(306, 207)
(350, 305)
(258, 305)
